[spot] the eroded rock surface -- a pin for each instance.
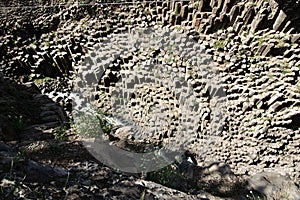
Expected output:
(254, 46)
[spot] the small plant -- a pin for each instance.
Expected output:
(178, 28)
(168, 176)
(252, 196)
(285, 71)
(271, 76)
(196, 6)
(105, 125)
(42, 80)
(39, 194)
(60, 133)
(92, 124)
(47, 43)
(143, 195)
(260, 41)
(34, 40)
(177, 10)
(9, 183)
(16, 159)
(56, 40)
(83, 21)
(219, 44)
(67, 181)
(82, 2)
(21, 154)
(17, 122)
(251, 4)
(284, 65)
(298, 89)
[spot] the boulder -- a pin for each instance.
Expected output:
(272, 185)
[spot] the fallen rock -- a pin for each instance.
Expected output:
(43, 172)
(4, 147)
(157, 191)
(272, 185)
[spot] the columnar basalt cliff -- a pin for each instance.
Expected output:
(253, 44)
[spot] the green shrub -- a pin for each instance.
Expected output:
(60, 133)
(196, 6)
(168, 176)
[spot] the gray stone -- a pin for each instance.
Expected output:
(47, 113)
(295, 38)
(274, 186)
(278, 24)
(43, 172)
(4, 147)
(161, 192)
(234, 13)
(51, 118)
(184, 12)
(275, 98)
(219, 168)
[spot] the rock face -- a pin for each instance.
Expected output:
(253, 44)
(37, 39)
